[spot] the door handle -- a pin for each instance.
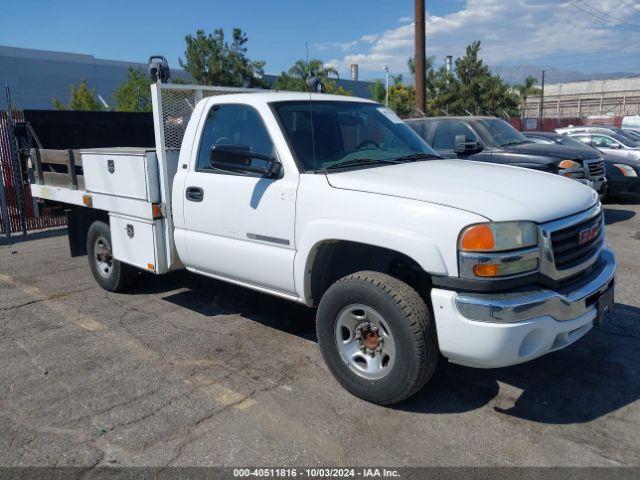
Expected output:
(195, 194)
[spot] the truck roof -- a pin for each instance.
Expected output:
(464, 118)
(281, 96)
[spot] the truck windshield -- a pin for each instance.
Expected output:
(347, 135)
(498, 133)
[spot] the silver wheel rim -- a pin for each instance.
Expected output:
(355, 330)
(103, 256)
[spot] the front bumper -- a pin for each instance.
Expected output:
(497, 330)
(598, 185)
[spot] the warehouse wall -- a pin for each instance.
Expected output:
(591, 98)
(36, 76)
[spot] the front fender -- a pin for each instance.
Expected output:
(418, 247)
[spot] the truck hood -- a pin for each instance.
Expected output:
(561, 152)
(496, 192)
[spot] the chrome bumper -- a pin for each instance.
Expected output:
(597, 185)
(520, 306)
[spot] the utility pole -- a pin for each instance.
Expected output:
(541, 106)
(386, 98)
(420, 54)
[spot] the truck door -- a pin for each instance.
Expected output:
(239, 226)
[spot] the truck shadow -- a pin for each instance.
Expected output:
(597, 375)
(211, 297)
(613, 215)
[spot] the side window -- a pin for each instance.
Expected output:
(229, 124)
(445, 135)
(600, 141)
(584, 139)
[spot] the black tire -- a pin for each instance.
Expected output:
(405, 313)
(118, 276)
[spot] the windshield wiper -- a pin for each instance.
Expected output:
(356, 162)
(416, 156)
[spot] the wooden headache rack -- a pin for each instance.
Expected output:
(58, 168)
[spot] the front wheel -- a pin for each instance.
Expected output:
(111, 274)
(377, 337)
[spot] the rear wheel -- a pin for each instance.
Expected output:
(111, 274)
(377, 337)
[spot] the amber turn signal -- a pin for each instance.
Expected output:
(486, 270)
(156, 210)
(478, 238)
(567, 164)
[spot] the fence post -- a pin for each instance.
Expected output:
(15, 165)
(3, 207)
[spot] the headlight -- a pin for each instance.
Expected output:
(626, 170)
(497, 237)
(571, 169)
(498, 249)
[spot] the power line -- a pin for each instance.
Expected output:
(629, 5)
(615, 19)
(616, 22)
(615, 25)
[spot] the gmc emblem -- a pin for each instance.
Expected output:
(587, 234)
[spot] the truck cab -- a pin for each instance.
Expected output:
(335, 203)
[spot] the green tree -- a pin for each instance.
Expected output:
(134, 94)
(295, 79)
(471, 88)
(443, 93)
(82, 98)
(429, 62)
(401, 97)
(528, 88)
(378, 91)
(211, 60)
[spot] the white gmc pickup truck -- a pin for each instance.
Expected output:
(334, 202)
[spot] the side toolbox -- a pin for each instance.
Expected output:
(122, 172)
(134, 241)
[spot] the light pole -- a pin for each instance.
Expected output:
(420, 57)
(386, 72)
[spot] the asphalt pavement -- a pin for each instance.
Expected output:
(184, 370)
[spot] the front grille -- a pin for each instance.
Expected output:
(594, 169)
(567, 250)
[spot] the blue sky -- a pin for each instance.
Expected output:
(371, 33)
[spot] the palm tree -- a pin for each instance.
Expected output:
(295, 79)
(527, 89)
(302, 69)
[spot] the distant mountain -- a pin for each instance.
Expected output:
(516, 74)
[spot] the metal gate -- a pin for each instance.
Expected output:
(21, 211)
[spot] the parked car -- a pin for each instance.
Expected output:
(335, 203)
(623, 178)
(634, 134)
(489, 139)
(606, 130)
(610, 143)
(631, 122)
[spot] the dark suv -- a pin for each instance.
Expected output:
(489, 139)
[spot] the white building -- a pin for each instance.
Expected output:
(611, 97)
